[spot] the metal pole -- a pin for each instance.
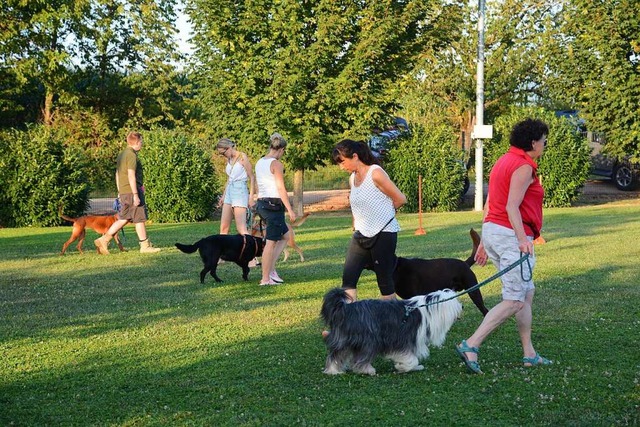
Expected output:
(420, 231)
(479, 106)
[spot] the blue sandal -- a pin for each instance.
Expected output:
(537, 360)
(463, 348)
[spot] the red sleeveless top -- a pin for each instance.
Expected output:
(499, 183)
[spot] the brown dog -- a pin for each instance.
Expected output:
(99, 223)
(258, 228)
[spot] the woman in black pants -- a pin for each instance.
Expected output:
(374, 199)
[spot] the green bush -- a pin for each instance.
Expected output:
(564, 167)
(431, 153)
(40, 178)
(179, 177)
(89, 131)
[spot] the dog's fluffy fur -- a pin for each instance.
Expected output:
(99, 223)
(361, 330)
(416, 276)
(236, 248)
(258, 228)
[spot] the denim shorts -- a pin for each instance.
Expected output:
(237, 194)
(502, 248)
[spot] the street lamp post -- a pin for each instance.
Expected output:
(480, 131)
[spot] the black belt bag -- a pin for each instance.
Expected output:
(368, 242)
(271, 204)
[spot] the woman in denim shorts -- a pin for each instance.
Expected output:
(237, 197)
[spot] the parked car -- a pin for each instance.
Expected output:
(623, 173)
(381, 142)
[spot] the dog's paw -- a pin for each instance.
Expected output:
(332, 371)
(366, 369)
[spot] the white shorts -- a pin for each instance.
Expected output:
(237, 194)
(502, 248)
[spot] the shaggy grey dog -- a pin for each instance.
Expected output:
(400, 330)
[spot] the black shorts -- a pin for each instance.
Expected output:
(276, 224)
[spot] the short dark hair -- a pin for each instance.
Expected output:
(347, 148)
(527, 131)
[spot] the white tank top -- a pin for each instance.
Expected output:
(236, 171)
(266, 180)
(371, 208)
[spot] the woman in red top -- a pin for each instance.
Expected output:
(512, 220)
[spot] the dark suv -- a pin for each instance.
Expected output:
(622, 172)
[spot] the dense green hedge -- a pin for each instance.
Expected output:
(431, 153)
(565, 164)
(179, 177)
(41, 177)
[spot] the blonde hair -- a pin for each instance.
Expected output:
(134, 137)
(277, 141)
(225, 143)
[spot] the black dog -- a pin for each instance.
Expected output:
(236, 248)
(416, 276)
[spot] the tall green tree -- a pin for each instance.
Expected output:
(32, 45)
(599, 74)
(443, 85)
(314, 70)
(49, 44)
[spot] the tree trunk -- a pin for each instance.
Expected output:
(298, 190)
(47, 109)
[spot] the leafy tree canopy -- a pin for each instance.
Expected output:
(50, 46)
(599, 73)
(316, 71)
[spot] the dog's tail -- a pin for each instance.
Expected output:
(188, 249)
(333, 306)
(67, 218)
(475, 238)
(299, 221)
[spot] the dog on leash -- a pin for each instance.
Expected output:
(99, 223)
(236, 248)
(417, 276)
(259, 228)
(400, 330)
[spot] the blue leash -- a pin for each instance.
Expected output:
(523, 258)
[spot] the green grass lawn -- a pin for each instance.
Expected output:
(132, 339)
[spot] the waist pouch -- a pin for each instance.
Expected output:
(369, 242)
(365, 242)
(271, 204)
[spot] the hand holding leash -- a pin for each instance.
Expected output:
(526, 247)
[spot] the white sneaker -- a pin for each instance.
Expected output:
(274, 277)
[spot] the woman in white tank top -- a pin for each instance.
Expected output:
(374, 199)
(236, 198)
(272, 202)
